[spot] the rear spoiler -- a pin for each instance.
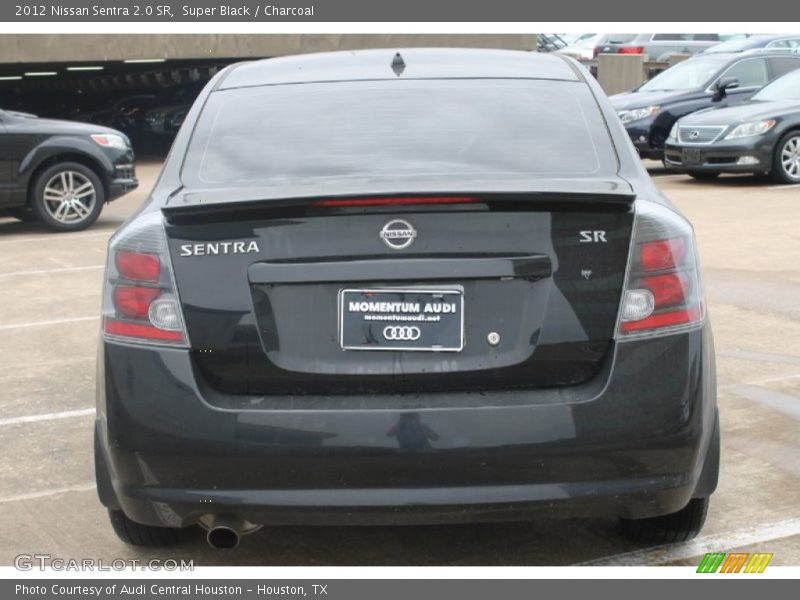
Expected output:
(228, 204)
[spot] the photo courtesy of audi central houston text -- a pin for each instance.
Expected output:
(400, 286)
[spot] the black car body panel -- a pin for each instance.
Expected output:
(593, 449)
(259, 410)
(27, 143)
(650, 133)
(271, 324)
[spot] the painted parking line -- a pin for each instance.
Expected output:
(44, 323)
(51, 271)
(86, 487)
(784, 403)
(67, 414)
(60, 237)
(772, 357)
(720, 542)
(732, 386)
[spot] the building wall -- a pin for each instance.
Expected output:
(47, 48)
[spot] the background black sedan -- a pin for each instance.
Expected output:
(705, 81)
(761, 135)
(61, 172)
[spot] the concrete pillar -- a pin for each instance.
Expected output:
(620, 72)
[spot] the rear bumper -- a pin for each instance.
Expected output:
(631, 444)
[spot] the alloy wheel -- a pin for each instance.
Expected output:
(790, 157)
(69, 197)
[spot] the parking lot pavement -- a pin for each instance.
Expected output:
(749, 240)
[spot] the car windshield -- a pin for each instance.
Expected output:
(397, 130)
(784, 88)
(687, 75)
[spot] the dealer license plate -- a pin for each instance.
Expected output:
(414, 319)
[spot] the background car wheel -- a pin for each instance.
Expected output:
(67, 197)
(703, 175)
(786, 162)
(136, 534)
(669, 529)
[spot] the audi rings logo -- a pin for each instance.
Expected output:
(401, 333)
(398, 234)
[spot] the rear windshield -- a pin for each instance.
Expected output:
(395, 130)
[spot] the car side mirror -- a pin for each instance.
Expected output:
(723, 85)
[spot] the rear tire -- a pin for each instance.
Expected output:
(136, 534)
(786, 161)
(67, 197)
(703, 175)
(679, 526)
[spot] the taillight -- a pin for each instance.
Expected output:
(138, 266)
(663, 292)
(631, 50)
(140, 300)
(134, 302)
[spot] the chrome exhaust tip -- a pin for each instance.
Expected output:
(223, 532)
(222, 537)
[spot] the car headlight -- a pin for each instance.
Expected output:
(635, 114)
(751, 129)
(110, 140)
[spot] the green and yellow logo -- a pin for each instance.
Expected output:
(735, 562)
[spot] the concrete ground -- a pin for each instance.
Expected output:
(749, 240)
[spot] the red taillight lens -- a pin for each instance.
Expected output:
(137, 330)
(663, 254)
(663, 292)
(138, 266)
(668, 290)
(631, 50)
(404, 201)
(140, 296)
(664, 319)
(134, 302)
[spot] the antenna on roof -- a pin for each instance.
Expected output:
(398, 64)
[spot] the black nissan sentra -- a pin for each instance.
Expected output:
(382, 287)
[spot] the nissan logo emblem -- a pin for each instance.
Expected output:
(401, 333)
(398, 234)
